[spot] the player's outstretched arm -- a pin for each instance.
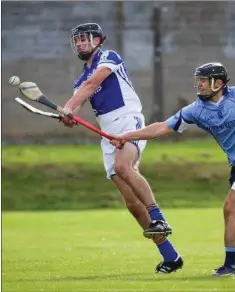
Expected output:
(149, 132)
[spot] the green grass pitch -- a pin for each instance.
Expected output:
(89, 249)
(104, 250)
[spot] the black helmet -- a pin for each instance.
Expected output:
(91, 30)
(212, 71)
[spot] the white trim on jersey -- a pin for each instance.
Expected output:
(131, 100)
(183, 126)
(113, 67)
(233, 186)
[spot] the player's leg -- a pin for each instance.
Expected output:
(139, 212)
(110, 162)
(228, 267)
(135, 207)
(133, 203)
(229, 236)
(121, 162)
(125, 160)
(229, 231)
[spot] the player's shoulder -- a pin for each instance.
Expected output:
(231, 91)
(232, 88)
(110, 55)
(192, 105)
(190, 112)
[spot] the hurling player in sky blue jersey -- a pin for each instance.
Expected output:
(214, 112)
(106, 84)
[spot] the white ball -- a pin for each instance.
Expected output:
(14, 80)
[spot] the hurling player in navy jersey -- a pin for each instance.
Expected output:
(105, 82)
(214, 112)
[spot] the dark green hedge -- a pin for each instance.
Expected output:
(76, 186)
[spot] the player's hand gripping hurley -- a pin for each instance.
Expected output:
(30, 90)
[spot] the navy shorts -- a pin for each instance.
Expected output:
(232, 176)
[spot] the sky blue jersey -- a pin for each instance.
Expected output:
(218, 119)
(115, 95)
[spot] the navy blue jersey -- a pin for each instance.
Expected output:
(116, 92)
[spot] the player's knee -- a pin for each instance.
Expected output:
(228, 208)
(122, 170)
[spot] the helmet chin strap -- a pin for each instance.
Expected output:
(213, 86)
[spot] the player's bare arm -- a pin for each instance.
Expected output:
(84, 91)
(152, 131)
(88, 88)
(149, 132)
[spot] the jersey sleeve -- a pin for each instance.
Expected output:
(110, 59)
(182, 120)
(233, 92)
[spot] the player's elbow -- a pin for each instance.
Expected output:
(166, 129)
(162, 129)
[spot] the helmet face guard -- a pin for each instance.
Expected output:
(82, 40)
(209, 92)
(210, 72)
(83, 45)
